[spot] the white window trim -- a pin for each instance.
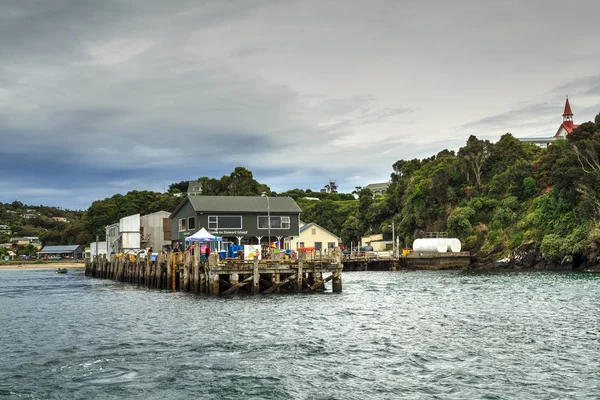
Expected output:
(217, 222)
(179, 224)
(282, 219)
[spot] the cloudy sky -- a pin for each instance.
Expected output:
(103, 97)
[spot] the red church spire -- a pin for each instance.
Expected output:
(567, 125)
(568, 117)
(568, 109)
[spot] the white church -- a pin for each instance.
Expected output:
(564, 129)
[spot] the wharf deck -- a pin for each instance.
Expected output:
(414, 260)
(185, 272)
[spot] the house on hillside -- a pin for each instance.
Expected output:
(194, 188)
(24, 241)
(313, 235)
(236, 219)
(60, 219)
(378, 189)
(29, 216)
(5, 230)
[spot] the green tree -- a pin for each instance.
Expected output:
(473, 157)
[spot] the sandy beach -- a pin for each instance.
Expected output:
(44, 265)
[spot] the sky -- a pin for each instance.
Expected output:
(104, 97)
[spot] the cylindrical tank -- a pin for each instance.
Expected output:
(453, 245)
(430, 245)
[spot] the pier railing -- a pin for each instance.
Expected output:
(185, 272)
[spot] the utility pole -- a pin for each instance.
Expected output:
(393, 240)
(269, 219)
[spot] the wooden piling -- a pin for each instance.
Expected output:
(196, 268)
(186, 273)
(298, 285)
(174, 273)
(275, 278)
(234, 279)
(255, 277)
(203, 281)
(337, 281)
(148, 266)
(169, 262)
(213, 278)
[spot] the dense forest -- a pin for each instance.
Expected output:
(501, 199)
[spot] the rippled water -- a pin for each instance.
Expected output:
(446, 335)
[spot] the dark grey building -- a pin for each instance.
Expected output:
(237, 219)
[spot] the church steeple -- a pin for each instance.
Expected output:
(568, 115)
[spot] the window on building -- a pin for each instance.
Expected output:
(330, 245)
(314, 231)
(224, 222)
(301, 244)
(191, 223)
(277, 222)
(318, 246)
(181, 224)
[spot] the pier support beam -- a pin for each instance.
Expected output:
(337, 281)
(255, 277)
(213, 283)
(299, 277)
(275, 278)
(186, 276)
(169, 269)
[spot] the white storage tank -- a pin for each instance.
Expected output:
(430, 245)
(453, 245)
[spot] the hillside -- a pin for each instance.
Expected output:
(504, 200)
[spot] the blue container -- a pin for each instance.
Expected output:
(223, 254)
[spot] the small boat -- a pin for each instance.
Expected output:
(61, 271)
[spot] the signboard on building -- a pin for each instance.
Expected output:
(251, 251)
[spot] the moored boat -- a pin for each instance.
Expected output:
(61, 271)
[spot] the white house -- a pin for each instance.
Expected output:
(378, 189)
(139, 232)
(313, 235)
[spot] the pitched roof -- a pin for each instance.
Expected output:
(60, 249)
(378, 186)
(194, 187)
(311, 224)
(567, 109)
(567, 127)
(249, 204)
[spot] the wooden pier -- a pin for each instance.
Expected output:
(365, 261)
(186, 273)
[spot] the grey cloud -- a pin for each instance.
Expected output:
(133, 93)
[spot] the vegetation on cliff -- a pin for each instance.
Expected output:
(498, 198)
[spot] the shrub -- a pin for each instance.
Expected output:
(552, 248)
(459, 222)
(529, 187)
